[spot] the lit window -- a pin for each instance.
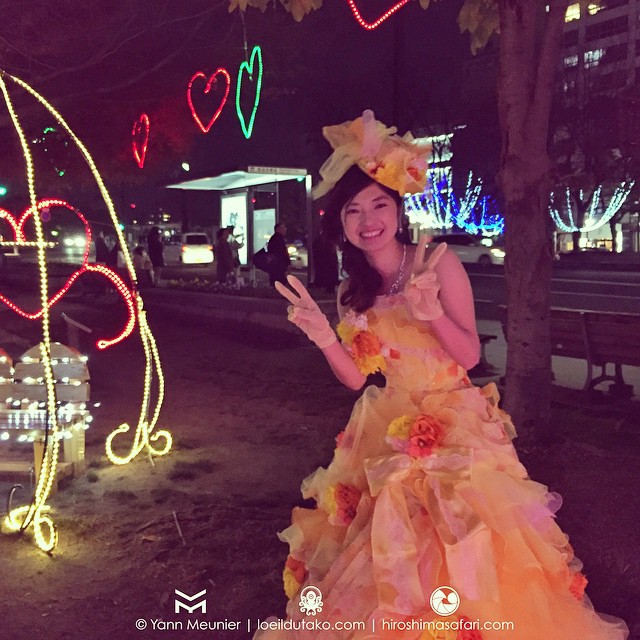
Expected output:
(573, 12)
(593, 8)
(592, 58)
(571, 61)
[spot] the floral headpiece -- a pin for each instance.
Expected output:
(396, 162)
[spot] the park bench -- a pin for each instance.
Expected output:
(602, 338)
(483, 364)
(23, 414)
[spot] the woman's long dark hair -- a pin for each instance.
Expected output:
(364, 281)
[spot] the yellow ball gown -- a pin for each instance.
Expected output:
(425, 496)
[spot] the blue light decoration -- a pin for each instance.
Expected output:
(592, 222)
(491, 221)
(439, 208)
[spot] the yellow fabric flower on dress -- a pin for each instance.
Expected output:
(329, 503)
(400, 427)
(439, 634)
(346, 332)
(371, 364)
(293, 576)
(291, 585)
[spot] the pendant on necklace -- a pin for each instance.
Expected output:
(395, 287)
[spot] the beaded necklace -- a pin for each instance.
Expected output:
(395, 287)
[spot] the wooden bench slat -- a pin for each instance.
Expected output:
(599, 337)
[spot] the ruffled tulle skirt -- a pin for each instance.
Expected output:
(394, 534)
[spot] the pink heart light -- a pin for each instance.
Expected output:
(372, 25)
(140, 142)
(213, 78)
(125, 292)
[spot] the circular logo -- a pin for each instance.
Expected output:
(445, 601)
(311, 600)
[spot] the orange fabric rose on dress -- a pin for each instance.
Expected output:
(365, 345)
(468, 634)
(426, 434)
(293, 576)
(297, 568)
(347, 499)
(578, 585)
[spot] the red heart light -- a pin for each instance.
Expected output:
(140, 142)
(6, 215)
(372, 25)
(213, 78)
(125, 292)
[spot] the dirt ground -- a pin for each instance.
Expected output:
(252, 413)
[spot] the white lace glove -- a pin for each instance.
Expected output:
(305, 313)
(421, 291)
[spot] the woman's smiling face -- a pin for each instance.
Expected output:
(370, 218)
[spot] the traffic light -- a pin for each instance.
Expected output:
(3, 190)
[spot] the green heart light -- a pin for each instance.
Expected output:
(256, 53)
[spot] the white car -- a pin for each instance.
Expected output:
(193, 248)
(298, 255)
(471, 250)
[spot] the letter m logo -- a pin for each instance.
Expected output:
(190, 603)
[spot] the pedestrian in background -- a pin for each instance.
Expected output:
(155, 248)
(277, 248)
(143, 266)
(102, 250)
(236, 243)
(224, 255)
(325, 263)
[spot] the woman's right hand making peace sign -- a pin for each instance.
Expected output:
(305, 313)
(421, 291)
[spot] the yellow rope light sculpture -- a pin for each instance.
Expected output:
(156, 443)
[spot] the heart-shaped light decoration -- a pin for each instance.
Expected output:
(249, 68)
(218, 74)
(370, 26)
(6, 215)
(140, 142)
(20, 239)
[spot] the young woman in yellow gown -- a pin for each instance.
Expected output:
(427, 526)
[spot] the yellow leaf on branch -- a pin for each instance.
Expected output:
(299, 8)
(481, 19)
(243, 4)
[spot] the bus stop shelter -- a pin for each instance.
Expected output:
(237, 190)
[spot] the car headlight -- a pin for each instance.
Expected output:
(498, 253)
(69, 242)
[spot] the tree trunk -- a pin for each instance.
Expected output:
(530, 44)
(575, 238)
(613, 223)
(528, 267)
(581, 207)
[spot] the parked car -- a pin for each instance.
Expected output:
(470, 250)
(298, 254)
(190, 248)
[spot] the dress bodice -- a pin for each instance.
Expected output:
(388, 339)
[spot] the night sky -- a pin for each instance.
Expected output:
(324, 70)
